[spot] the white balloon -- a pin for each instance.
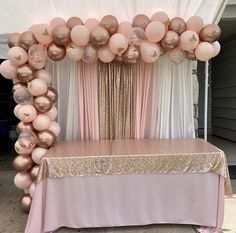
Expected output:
(32, 189)
(52, 113)
(55, 128)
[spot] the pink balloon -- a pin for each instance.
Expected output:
(41, 122)
(135, 36)
(37, 87)
(189, 40)
(118, 43)
(8, 70)
(74, 52)
(55, 128)
(41, 33)
(176, 56)
(105, 54)
(124, 27)
(37, 56)
(21, 150)
(160, 16)
(150, 52)
(17, 55)
(204, 51)
(155, 31)
(32, 189)
(23, 180)
(38, 153)
(195, 23)
(55, 22)
(16, 109)
(45, 75)
(52, 113)
(27, 113)
(217, 47)
(91, 23)
(80, 35)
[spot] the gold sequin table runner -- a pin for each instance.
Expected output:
(130, 156)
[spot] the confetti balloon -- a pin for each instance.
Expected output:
(136, 36)
(23, 126)
(22, 96)
(21, 150)
(37, 56)
(27, 139)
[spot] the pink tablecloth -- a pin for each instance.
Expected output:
(119, 200)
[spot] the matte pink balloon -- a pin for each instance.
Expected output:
(27, 113)
(91, 23)
(8, 69)
(135, 36)
(204, 51)
(37, 87)
(195, 23)
(42, 33)
(124, 27)
(176, 56)
(32, 189)
(55, 22)
(80, 35)
(74, 52)
(17, 55)
(90, 54)
(55, 128)
(161, 16)
(41, 122)
(21, 150)
(37, 56)
(105, 54)
(52, 113)
(118, 43)
(155, 31)
(217, 47)
(23, 180)
(38, 153)
(16, 109)
(189, 40)
(150, 52)
(45, 75)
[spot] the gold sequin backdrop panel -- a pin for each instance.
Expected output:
(115, 100)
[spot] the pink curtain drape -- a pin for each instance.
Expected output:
(143, 73)
(88, 101)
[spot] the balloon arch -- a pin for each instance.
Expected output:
(145, 38)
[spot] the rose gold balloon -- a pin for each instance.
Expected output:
(56, 52)
(18, 85)
(99, 36)
(176, 56)
(45, 75)
(46, 138)
(22, 96)
(195, 23)
(22, 163)
(23, 126)
(61, 35)
(170, 40)
(177, 25)
(13, 40)
(210, 33)
(135, 36)
(124, 27)
(131, 55)
(73, 21)
(25, 73)
(141, 21)
(90, 54)
(52, 94)
(110, 23)
(42, 103)
(27, 139)
(190, 55)
(37, 56)
(27, 39)
(52, 113)
(25, 203)
(34, 172)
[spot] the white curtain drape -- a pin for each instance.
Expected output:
(65, 80)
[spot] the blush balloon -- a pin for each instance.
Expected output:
(8, 69)
(16, 109)
(74, 52)
(124, 27)
(204, 51)
(90, 54)
(91, 23)
(217, 47)
(22, 180)
(73, 21)
(161, 17)
(110, 23)
(118, 43)
(37, 87)
(170, 40)
(177, 25)
(195, 23)
(155, 31)
(52, 113)
(189, 40)
(176, 56)
(27, 113)
(38, 153)
(41, 122)
(150, 52)
(42, 34)
(141, 21)
(22, 163)
(136, 36)
(105, 54)
(23, 127)
(45, 75)
(17, 55)
(37, 56)
(80, 35)
(13, 40)
(55, 128)
(56, 22)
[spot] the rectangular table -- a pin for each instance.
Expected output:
(106, 183)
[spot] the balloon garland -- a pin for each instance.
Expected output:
(145, 38)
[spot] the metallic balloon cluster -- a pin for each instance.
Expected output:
(145, 38)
